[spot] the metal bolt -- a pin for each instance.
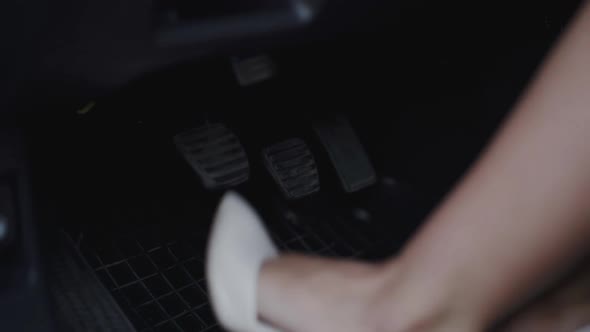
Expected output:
(291, 217)
(3, 227)
(362, 215)
(388, 181)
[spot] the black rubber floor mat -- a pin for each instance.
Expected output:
(157, 280)
(156, 271)
(160, 284)
(81, 303)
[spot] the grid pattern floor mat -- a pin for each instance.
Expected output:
(157, 276)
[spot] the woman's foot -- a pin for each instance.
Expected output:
(307, 294)
(250, 285)
(310, 294)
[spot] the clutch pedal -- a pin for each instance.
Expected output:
(215, 154)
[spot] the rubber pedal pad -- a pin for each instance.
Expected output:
(215, 153)
(347, 154)
(293, 168)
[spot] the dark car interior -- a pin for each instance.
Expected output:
(343, 122)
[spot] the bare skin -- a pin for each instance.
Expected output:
(513, 225)
(563, 310)
(347, 286)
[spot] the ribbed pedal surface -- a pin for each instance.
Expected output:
(216, 155)
(293, 167)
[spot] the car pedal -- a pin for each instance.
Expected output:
(253, 69)
(346, 153)
(293, 168)
(215, 153)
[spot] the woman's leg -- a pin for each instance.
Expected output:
(564, 310)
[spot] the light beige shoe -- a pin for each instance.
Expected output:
(238, 246)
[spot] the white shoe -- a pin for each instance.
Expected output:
(238, 246)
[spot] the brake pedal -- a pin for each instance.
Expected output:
(215, 153)
(293, 168)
